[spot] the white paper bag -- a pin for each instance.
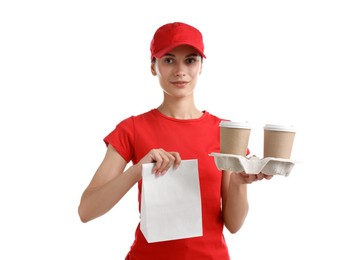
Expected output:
(171, 204)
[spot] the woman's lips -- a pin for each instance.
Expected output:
(180, 84)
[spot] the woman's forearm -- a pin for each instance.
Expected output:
(236, 206)
(96, 201)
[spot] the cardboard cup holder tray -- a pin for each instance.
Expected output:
(253, 164)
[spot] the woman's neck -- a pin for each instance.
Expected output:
(179, 110)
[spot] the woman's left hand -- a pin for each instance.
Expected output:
(244, 178)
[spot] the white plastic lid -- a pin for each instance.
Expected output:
(286, 128)
(231, 124)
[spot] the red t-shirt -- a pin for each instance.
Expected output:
(134, 137)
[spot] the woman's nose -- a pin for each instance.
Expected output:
(180, 70)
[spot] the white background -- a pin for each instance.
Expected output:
(71, 70)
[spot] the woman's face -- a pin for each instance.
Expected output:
(178, 71)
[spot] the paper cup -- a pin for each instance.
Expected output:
(278, 141)
(234, 137)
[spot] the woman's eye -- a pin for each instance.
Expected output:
(190, 60)
(168, 60)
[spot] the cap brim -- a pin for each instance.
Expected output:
(162, 52)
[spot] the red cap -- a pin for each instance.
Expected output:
(171, 35)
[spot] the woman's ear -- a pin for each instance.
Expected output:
(152, 69)
(200, 69)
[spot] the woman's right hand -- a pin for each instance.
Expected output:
(163, 160)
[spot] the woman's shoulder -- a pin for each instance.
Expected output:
(214, 117)
(141, 116)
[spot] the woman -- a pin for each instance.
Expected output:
(176, 130)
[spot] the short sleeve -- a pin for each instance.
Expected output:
(122, 138)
